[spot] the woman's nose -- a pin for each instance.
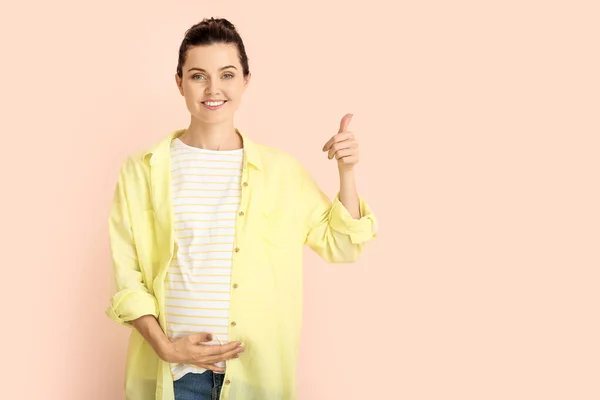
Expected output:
(212, 89)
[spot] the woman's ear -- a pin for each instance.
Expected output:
(178, 82)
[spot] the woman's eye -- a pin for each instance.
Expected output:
(198, 77)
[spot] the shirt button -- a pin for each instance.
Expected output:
(227, 382)
(236, 249)
(245, 183)
(241, 214)
(233, 323)
(235, 285)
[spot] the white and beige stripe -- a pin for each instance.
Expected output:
(206, 196)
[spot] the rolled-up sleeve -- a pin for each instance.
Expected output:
(359, 230)
(131, 298)
(331, 231)
(130, 304)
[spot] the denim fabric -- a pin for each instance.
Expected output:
(205, 386)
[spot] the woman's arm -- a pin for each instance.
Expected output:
(348, 194)
(131, 299)
(151, 330)
(337, 231)
(187, 349)
(344, 148)
(329, 227)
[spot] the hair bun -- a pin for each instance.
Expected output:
(219, 21)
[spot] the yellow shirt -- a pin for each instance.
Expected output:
(281, 210)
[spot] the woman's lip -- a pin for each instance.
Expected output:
(214, 107)
(214, 101)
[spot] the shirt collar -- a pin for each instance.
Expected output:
(160, 151)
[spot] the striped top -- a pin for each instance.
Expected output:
(206, 194)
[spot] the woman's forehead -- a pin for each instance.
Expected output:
(212, 57)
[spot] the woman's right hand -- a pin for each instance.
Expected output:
(191, 350)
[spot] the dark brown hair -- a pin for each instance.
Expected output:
(211, 31)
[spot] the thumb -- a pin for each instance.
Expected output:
(345, 122)
(202, 337)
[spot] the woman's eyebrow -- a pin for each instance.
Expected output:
(203, 70)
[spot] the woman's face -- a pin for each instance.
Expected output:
(212, 73)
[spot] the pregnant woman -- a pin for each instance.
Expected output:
(207, 230)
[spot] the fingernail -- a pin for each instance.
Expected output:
(236, 356)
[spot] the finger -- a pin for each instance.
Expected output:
(215, 358)
(340, 137)
(344, 153)
(348, 144)
(345, 122)
(201, 337)
(348, 160)
(343, 128)
(223, 357)
(218, 349)
(328, 144)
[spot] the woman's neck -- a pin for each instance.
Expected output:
(212, 136)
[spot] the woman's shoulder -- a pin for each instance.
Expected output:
(268, 151)
(135, 165)
(140, 160)
(276, 158)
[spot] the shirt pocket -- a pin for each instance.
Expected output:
(272, 229)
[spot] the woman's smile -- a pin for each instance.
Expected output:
(214, 105)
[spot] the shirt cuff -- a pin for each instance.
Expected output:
(130, 305)
(360, 230)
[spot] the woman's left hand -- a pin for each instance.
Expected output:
(343, 146)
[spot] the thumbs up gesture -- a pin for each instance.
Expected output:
(343, 146)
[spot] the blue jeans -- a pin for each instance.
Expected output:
(205, 386)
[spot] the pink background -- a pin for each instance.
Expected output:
(479, 128)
